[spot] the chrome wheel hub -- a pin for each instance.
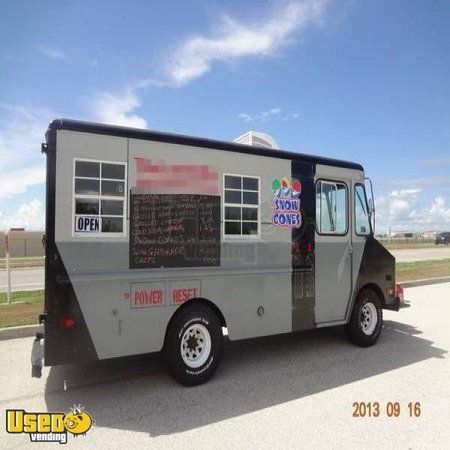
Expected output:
(369, 318)
(195, 346)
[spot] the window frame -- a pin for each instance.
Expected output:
(100, 198)
(347, 203)
(367, 210)
(241, 205)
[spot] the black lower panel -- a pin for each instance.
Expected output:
(64, 345)
(377, 270)
(303, 258)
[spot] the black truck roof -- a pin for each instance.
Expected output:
(137, 133)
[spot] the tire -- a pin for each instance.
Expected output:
(366, 321)
(194, 344)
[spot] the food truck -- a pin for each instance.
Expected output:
(162, 242)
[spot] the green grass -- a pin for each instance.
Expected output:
(16, 263)
(24, 313)
(418, 270)
(408, 245)
(398, 244)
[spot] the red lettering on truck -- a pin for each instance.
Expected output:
(183, 295)
(148, 298)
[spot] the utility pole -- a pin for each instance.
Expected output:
(8, 267)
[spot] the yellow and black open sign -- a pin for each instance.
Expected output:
(49, 427)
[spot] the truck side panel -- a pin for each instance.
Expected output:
(111, 291)
(252, 273)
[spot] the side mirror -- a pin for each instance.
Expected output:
(371, 206)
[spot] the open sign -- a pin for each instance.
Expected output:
(87, 224)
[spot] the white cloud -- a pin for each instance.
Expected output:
(51, 53)
(421, 181)
(267, 116)
(22, 130)
(29, 216)
(118, 109)
(406, 210)
(195, 56)
(400, 203)
(234, 39)
(436, 215)
(245, 117)
(18, 181)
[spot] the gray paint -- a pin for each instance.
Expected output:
(252, 274)
(336, 269)
(358, 244)
(80, 145)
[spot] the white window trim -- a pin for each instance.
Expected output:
(241, 237)
(124, 198)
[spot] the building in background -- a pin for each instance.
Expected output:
(23, 243)
(429, 234)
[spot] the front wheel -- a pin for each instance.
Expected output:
(366, 321)
(193, 347)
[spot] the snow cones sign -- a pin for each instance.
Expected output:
(286, 202)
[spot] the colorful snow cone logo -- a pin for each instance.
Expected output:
(286, 188)
(286, 202)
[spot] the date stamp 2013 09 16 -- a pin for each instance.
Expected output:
(390, 409)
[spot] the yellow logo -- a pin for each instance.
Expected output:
(49, 427)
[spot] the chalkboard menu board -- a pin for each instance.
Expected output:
(174, 230)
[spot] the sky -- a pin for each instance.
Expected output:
(362, 80)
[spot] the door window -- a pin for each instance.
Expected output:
(331, 207)
(362, 220)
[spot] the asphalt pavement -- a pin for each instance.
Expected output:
(23, 279)
(422, 254)
(289, 391)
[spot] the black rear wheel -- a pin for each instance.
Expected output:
(366, 321)
(193, 346)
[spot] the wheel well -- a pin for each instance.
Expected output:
(198, 301)
(377, 290)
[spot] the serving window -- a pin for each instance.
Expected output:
(241, 206)
(99, 198)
